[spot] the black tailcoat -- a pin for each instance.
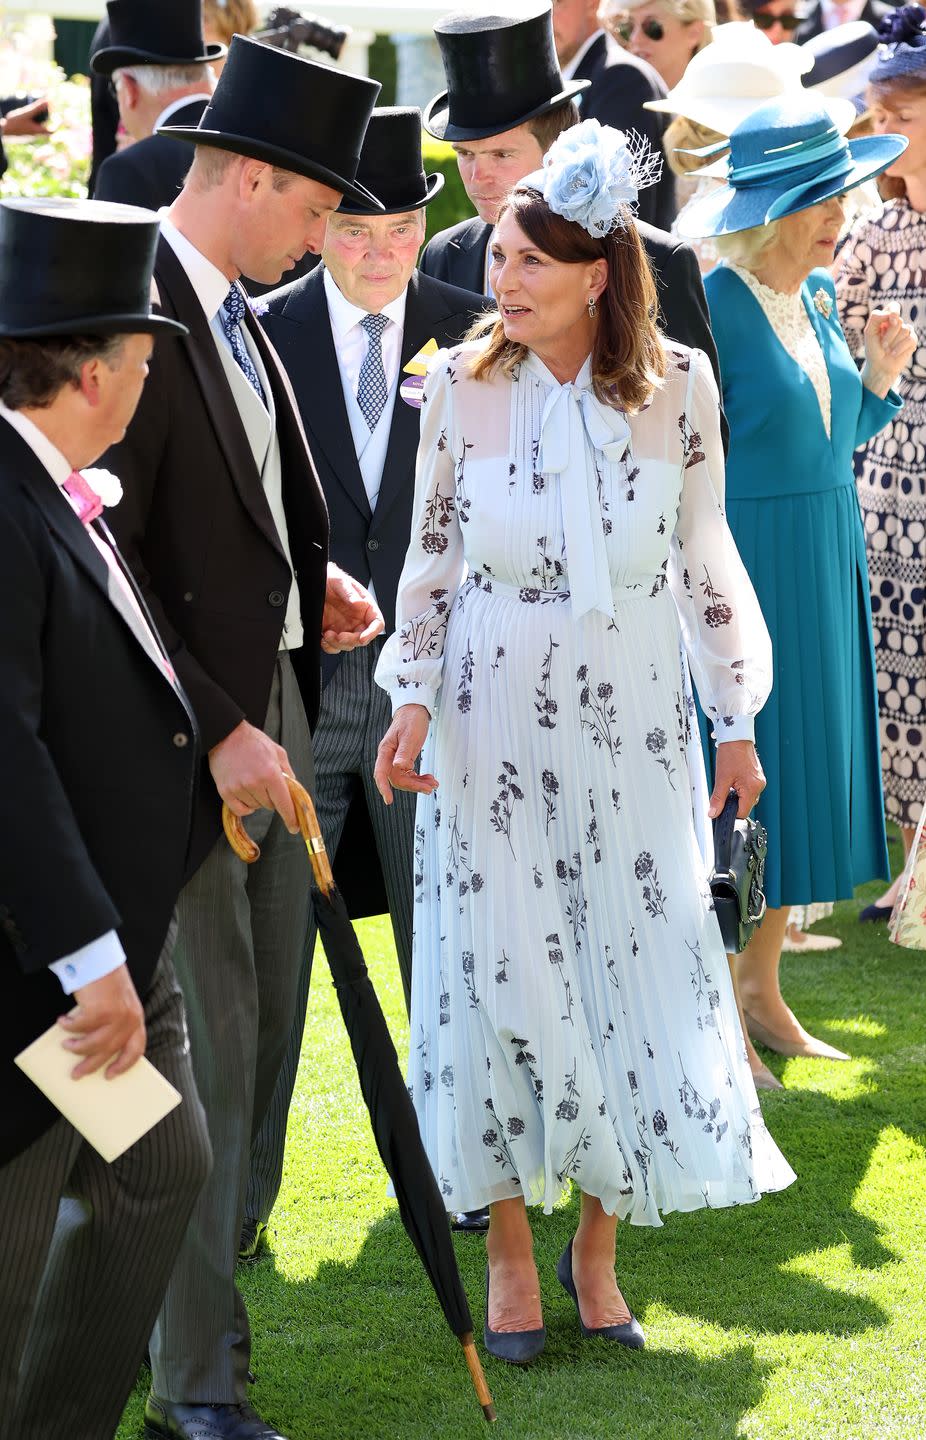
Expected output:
(812, 24)
(370, 545)
(196, 527)
(620, 84)
(152, 171)
(98, 756)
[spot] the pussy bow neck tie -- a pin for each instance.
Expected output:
(574, 425)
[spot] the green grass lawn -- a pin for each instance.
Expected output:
(802, 1316)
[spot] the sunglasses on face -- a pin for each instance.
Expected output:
(765, 22)
(651, 28)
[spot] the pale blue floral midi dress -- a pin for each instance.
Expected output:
(572, 1012)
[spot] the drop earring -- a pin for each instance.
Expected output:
(592, 307)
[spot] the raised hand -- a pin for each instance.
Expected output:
(398, 754)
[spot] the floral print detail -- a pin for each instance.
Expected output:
(494, 1139)
(592, 834)
(693, 453)
(439, 512)
(597, 714)
(706, 996)
(502, 806)
(501, 970)
(645, 871)
(550, 789)
(570, 879)
(499, 657)
(696, 1107)
(656, 743)
(544, 704)
(717, 612)
(557, 959)
(464, 502)
(464, 687)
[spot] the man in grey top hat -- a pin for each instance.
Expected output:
(226, 527)
(98, 749)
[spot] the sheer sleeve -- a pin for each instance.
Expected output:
(409, 668)
(728, 645)
(853, 289)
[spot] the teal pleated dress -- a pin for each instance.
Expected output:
(792, 507)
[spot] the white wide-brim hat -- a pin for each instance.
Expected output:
(739, 71)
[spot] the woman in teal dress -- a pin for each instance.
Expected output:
(797, 407)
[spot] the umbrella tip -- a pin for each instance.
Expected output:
(489, 1412)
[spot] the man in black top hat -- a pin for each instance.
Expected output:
(225, 526)
(496, 149)
(159, 66)
(345, 334)
(98, 747)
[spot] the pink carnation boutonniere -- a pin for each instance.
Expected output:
(823, 303)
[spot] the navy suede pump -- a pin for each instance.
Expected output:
(629, 1334)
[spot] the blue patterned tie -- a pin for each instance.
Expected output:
(233, 312)
(372, 390)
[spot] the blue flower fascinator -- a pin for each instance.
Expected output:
(592, 174)
(902, 50)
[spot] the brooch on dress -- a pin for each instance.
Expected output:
(823, 303)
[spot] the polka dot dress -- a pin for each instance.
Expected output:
(885, 260)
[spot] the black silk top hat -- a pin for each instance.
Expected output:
(154, 32)
(391, 165)
(294, 113)
(77, 267)
(501, 71)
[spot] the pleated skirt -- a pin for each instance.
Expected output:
(573, 1019)
(817, 734)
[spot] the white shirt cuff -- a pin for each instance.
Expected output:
(735, 727)
(91, 962)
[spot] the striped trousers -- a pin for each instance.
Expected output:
(88, 1249)
(355, 715)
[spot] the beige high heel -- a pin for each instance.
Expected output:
(809, 1049)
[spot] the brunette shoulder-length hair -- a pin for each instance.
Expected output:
(628, 356)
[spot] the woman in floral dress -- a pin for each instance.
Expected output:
(884, 264)
(572, 1011)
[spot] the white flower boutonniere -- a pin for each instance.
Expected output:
(823, 303)
(104, 484)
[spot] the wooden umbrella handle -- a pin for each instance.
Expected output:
(248, 851)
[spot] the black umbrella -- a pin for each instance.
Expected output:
(392, 1115)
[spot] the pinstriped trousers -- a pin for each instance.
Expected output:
(239, 953)
(88, 1249)
(355, 715)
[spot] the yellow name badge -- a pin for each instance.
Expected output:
(412, 389)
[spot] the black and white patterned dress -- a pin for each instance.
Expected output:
(572, 1012)
(885, 260)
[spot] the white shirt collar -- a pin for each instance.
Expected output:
(210, 284)
(174, 106)
(48, 454)
(345, 315)
(569, 69)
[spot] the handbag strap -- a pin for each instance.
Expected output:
(724, 830)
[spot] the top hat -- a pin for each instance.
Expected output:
(902, 50)
(154, 32)
(501, 71)
(391, 165)
(77, 267)
(274, 106)
(733, 76)
(843, 58)
(790, 154)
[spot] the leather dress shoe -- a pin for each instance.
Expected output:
(518, 1347)
(253, 1240)
(170, 1420)
(810, 1049)
(630, 1333)
(476, 1222)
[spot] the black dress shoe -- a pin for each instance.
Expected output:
(169, 1420)
(875, 912)
(629, 1334)
(253, 1240)
(475, 1221)
(518, 1347)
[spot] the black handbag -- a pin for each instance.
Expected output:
(740, 848)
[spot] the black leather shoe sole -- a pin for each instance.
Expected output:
(474, 1222)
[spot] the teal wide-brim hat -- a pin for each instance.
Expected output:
(790, 154)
